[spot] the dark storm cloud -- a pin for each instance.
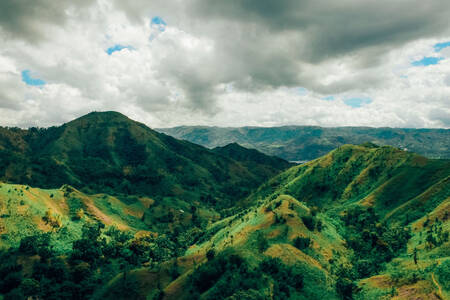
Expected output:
(25, 19)
(332, 28)
(270, 42)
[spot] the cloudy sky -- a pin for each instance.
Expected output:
(227, 63)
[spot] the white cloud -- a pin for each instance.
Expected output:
(208, 72)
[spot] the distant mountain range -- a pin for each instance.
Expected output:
(304, 143)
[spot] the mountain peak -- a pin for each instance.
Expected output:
(104, 116)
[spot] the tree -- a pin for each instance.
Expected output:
(30, 287)
(302, 242)
(210, 254)
(261, 242)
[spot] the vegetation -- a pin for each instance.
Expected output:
(304, 143)
(109, 153)
(148, 217)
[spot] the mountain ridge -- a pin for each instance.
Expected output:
(91, 151)
(300, 143)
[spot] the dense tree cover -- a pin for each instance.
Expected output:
(95, 258)
(373, 242)
(230, 276)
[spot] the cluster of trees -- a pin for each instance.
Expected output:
(435, 234)
(230, 276)
(373, 243)
(95, 258)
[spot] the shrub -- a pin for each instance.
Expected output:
(302, 242)
(261, 242)
(443, 273)
(309, 222)
(210, 254)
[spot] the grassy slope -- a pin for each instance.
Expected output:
(279, 221)
(389, 179)
(22, 209)
(403, 188)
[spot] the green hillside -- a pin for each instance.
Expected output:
(105, 152)
(363, 222)
(83, 217)
(304, 143)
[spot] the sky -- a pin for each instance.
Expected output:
(227, 63)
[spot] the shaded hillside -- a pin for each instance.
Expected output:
(304, 143)
(107, 152)
(253, 160)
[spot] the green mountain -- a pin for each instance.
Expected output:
(107, 152)
(106, 208)
(304, 143)
(363, 222)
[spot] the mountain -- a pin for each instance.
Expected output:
(304, 143)
(385, 178)
(108, 152)
(252, 159)
(362, 222)
(105, 208)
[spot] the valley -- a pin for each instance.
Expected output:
(106, 208)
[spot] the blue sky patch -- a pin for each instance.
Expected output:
(426, 61)
(357, 101)
(26, 77)
(117, 47)
(439, 46)
(328, 98)
(301, 91)
(159, 23)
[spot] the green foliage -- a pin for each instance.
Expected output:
(309, 222)
(261, 242)
(373, 242)
(302, 243)
(443, 273)
(210, 254)
(33, 244)
(401, 276)
(229, 275)
(107, 152)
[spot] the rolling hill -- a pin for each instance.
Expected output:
(105, 208)
(304, 143)
(105, 152)
(363, 222)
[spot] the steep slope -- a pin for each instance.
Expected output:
(304, 143)
(107, 152)
(265, 252)
(392, 208)
(363, 222)
(385, 178)
(263, 165)
(27, 211)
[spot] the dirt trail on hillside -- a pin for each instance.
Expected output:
(438, 285)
